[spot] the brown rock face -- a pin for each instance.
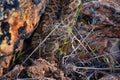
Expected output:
(17, 21)
(104, 32)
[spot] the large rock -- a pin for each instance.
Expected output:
(18, 19)
(104, 32)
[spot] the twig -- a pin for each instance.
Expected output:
(41, 43)
(93, 68)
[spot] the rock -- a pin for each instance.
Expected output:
(18, 19)
(110, 77)
(103, 29)
(42, 68)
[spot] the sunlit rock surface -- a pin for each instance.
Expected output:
(18, 19)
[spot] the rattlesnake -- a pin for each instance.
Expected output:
(56, 15)
(64, 13)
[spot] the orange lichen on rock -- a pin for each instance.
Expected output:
(17, 22)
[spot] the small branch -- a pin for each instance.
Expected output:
(56, 26)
